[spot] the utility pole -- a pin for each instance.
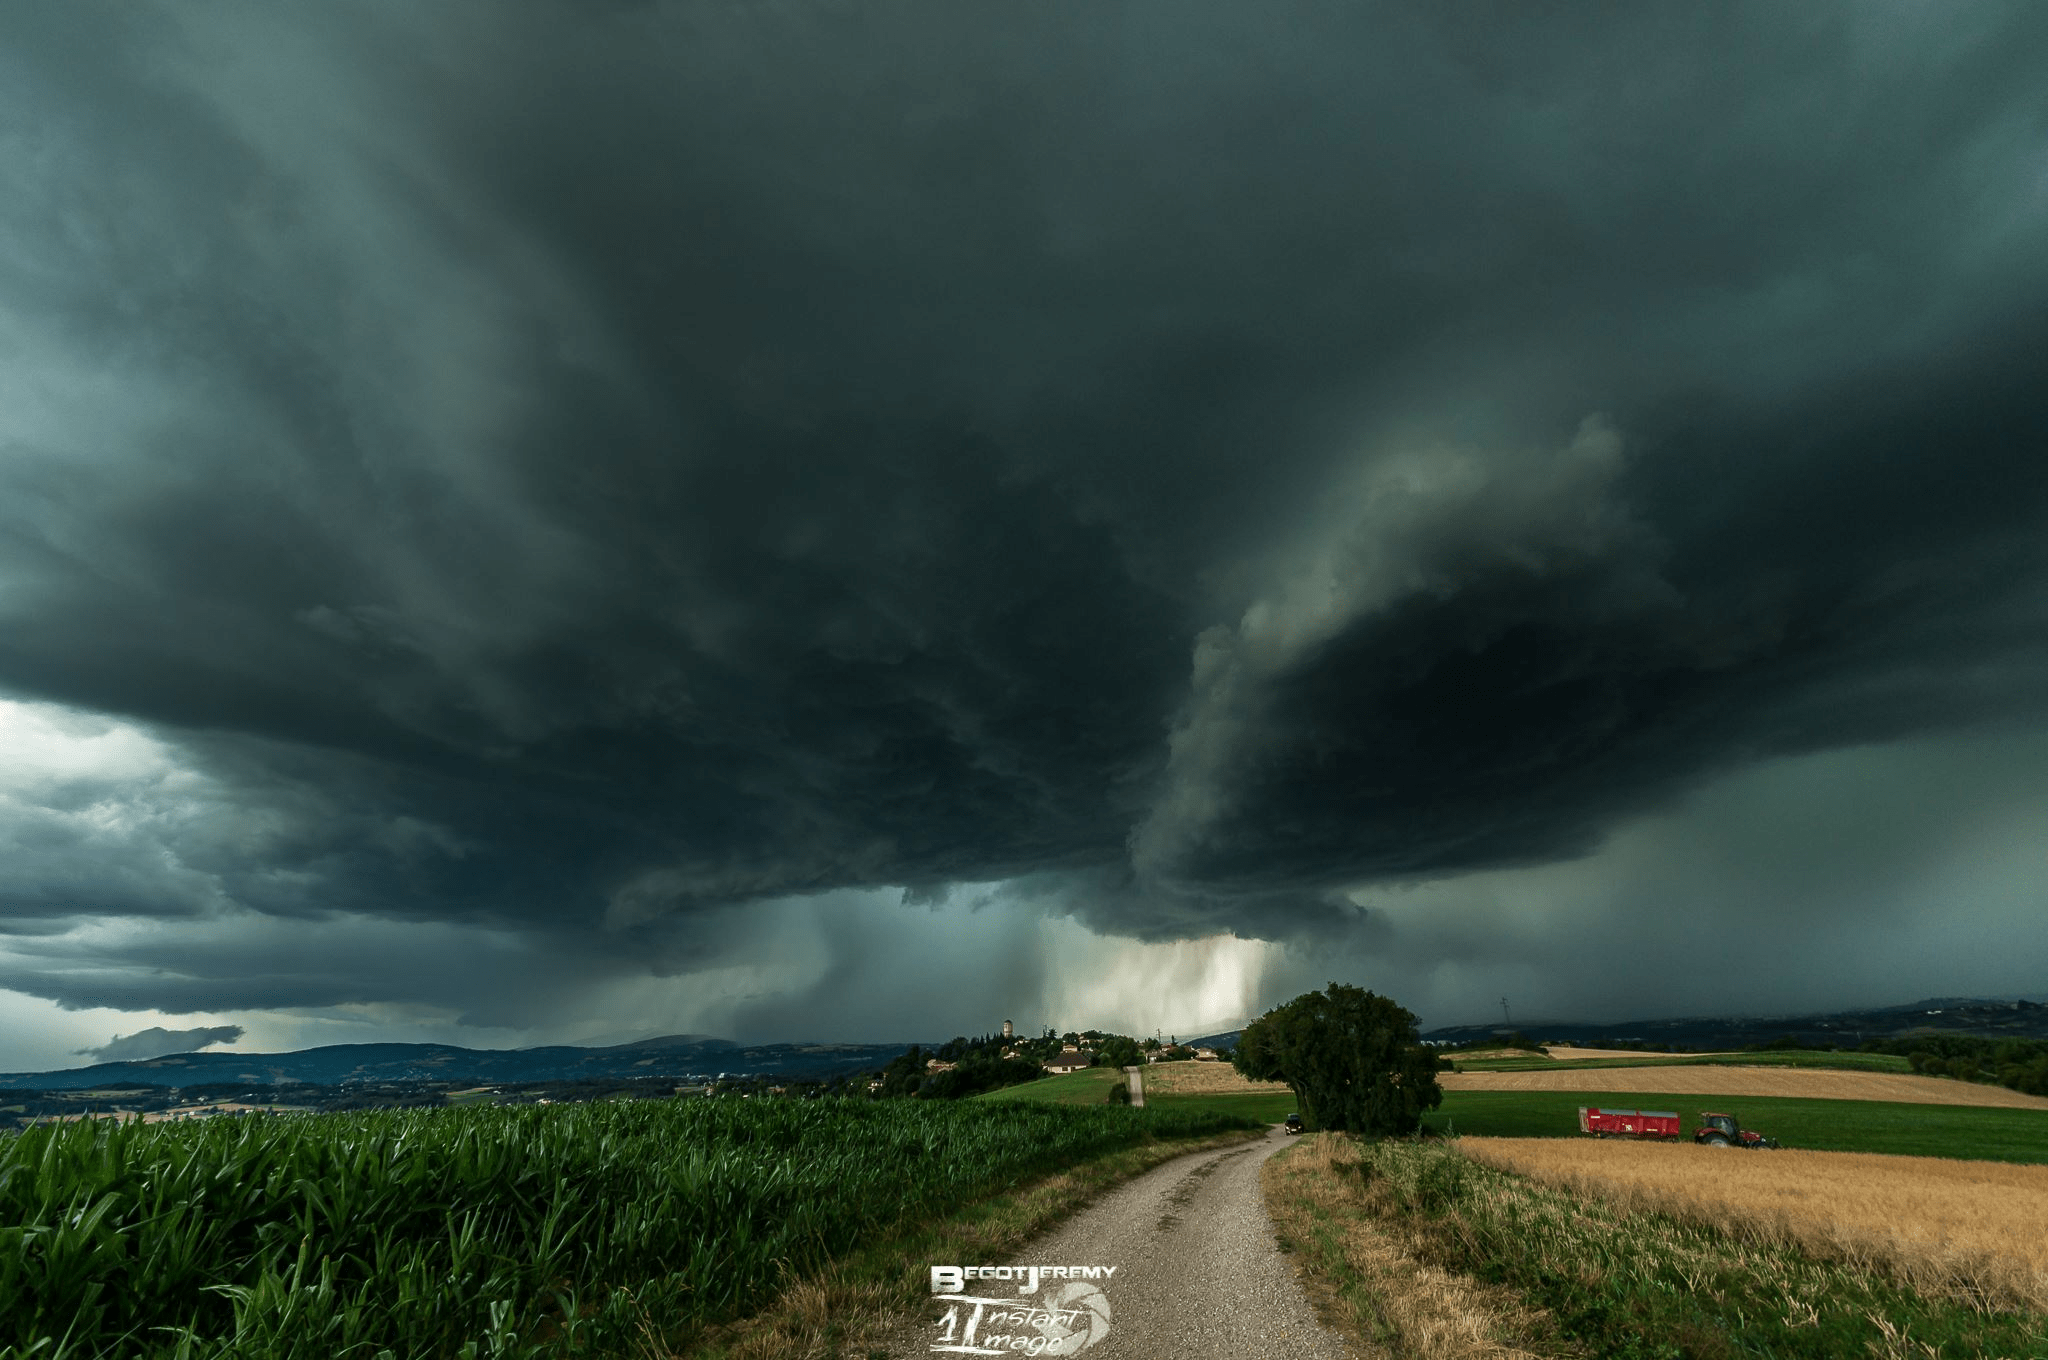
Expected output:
(1505, 1022)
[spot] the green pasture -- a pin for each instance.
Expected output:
(1970, 1132)
(1965, 1131)
(1089, 1086)
(1266, 1108)
(477, 1097)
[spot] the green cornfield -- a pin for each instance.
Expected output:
(472, 1232)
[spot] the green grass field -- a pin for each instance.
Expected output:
(1094, 1086)
(1267, 1109)
(1089, 1086)
(1966, 1131)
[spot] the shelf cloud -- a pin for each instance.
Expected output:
(157, 1042)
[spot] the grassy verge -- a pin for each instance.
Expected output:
(856, 1307)
(1969, 1131)
(1366, 1281)
(1421, 1251)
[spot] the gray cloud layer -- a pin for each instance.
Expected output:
(568, 473)
(156, 1041)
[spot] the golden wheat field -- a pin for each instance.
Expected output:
(1942, 1225)
(1810, 1083)
(1203, 1079)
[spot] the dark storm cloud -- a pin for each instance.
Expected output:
(266, 963)
(1897, 871)
(569, 471)
(156, 1041)
(996, 970)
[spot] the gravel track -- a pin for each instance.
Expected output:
(1199, 1274)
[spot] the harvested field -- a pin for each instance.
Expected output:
(1810, 1083)
(1594, 1277)
(1567, 1053)
(1495, 1054)
(1205, 1079)
(1965, 1230)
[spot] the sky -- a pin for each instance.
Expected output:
(551, 523)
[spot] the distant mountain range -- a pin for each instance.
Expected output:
(2008, 1018)
(674, 1055)
(1997, 1018)
(695, 1055)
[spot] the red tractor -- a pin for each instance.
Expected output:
(1721, 1130)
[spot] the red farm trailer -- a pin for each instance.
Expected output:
(1628, 1123)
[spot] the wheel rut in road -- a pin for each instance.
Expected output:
(1199, 1272)
(1184, 1194)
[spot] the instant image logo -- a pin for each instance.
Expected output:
(1069, 1313)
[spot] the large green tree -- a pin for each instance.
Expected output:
(1354, 1060)
(1119, 1051)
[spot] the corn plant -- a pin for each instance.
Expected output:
(481, 1231)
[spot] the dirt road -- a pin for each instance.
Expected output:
(1198, 1274)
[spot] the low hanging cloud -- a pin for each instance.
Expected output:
(557, 490)
(1418, 529)
(157, 1042)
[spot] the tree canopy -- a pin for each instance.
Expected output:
(1354, 1060)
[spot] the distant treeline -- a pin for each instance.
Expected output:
(977, 1069)
(2021, 1064)
(978, 1064)
(1514, 1039)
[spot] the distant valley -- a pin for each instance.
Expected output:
(685, 1057)
(2008, 1018)
(681, 1057)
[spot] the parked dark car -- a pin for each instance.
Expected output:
(1293, 1123)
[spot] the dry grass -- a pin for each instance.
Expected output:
(1570, 1052)
(1965, 1230)
(1203, 1079)
(1494, 1054)
(1809, 1083)
(1392, 1302)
